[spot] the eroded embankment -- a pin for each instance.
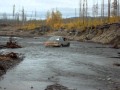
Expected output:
(106, 34)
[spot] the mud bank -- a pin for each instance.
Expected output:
(8, 61)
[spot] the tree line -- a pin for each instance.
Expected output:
(101, 13)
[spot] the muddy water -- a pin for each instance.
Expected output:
(82, 66)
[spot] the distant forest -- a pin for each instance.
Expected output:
(101, 14)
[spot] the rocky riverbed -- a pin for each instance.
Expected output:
(82, 66)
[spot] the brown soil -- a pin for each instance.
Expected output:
(8, 60)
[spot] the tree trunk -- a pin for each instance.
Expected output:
(109, 9)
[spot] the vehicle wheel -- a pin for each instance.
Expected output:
(68, 44)
(61, 45)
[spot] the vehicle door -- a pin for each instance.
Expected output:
(64, 41)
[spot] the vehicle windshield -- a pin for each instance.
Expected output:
(54, 39)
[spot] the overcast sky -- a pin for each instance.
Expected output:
(67, 7)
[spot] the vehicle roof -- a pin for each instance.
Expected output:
(55, 37)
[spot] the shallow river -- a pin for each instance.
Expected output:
(82, 66)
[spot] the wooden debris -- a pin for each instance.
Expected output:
(12, 44)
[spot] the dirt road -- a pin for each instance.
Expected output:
(82, 66)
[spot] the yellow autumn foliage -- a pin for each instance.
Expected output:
(54, 19)
(30, 26)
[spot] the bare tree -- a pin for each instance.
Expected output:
(95, 10)
(18, 18)
(80, 9)
(35, 14)
(86, 9)
(13, 11)
(109, 5)
(102, 10)
(4, 16)
(115, 7)
(23, 16)
(118, 7)
(31, 16)
(83, 11)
